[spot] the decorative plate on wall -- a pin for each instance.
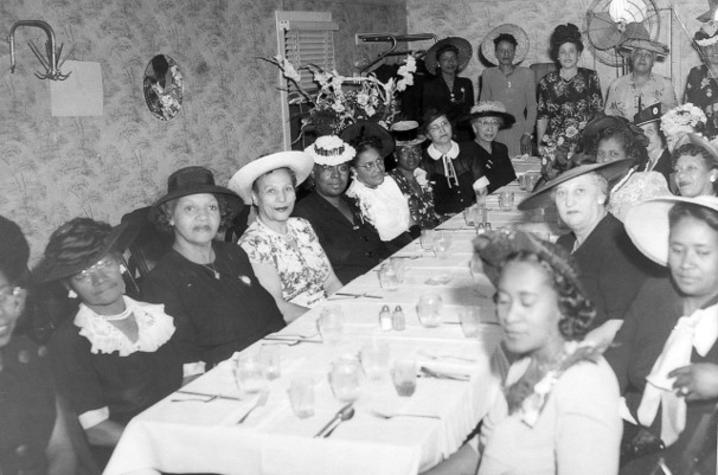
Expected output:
(163, 87)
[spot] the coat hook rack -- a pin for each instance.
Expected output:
(49, 60)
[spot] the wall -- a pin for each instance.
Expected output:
(472, 19)
(57, 168)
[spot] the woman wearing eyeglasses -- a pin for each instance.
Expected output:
(116, 357)
(487, 118)
(453, 167)
(378, 197)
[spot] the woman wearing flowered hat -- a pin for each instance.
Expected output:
(487, 118)
(510, 84)
(413, 180)
(116, 356)
(208, 286)
(352, 245)
(665, 356)
(702, 82)
(284, 251)
(681, 120)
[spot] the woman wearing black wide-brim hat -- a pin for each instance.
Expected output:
(208, 286)
(447, 91)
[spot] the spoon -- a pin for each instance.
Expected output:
(343, 416)
(261, 401)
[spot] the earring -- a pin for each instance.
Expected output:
(71, 294)
(713, 178)
(123, 269)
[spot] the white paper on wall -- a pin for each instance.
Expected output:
(81, 93)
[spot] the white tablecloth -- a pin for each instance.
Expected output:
(194, 436)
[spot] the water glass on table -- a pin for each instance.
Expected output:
(301, 396)
(441, 244)
(345, 378)
(270, 358)
(427, 239)
(428, 309)
(331, 324)
(388, 277)
(506, 200)
(470, 318)
(375, 359)
(249, 374)
(403, 375)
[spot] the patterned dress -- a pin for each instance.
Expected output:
(421, 205)
(702, 91)
(569, 105)
(299, 259)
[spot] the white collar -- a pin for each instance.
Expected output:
(437, 154)
(154, 328)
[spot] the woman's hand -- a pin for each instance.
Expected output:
(696, 381)
(526, 144)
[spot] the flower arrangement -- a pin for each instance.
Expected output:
(559, 147)
(341, 101)
(684, 118)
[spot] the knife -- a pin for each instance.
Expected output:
(215, 396)
(337, 417)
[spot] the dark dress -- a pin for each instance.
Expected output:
(453, 199)
(214, 317)
(456, 103)
(421, 206)
(27, 407)
(664, 165)
(646, 327)
(611, 269)
(496, 165)
(352, 248)
(702, 91)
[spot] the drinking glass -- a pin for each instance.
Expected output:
(301, 396)
(506, 200)
(403, 375)
(345, 378)
(388, 278)
(470, 319)
(441, 244)
(331, 324)
(399, 265)
(428, 309)
(249, 374)
(472, 215)
(427, 239)
(375, 359)
(270, 358)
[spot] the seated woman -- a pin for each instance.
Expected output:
(611, 269)
(35, 436)
(695, 167)
(659, 157)
(487, 118)
(412, 179)
(115, 358)
(558, 412)
(208, 286)
(665, 356)
(285, 252)
(612, 138)
(377, 196)
(352, 245)
(454, 168)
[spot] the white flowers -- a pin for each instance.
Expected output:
(571, 131)
(683, 118)
(288, 69)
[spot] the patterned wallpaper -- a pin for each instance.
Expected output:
(472, 19)
(58, 168)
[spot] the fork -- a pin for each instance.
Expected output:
(261, 401)
(196, 399)
(432, 356)
(386, 416)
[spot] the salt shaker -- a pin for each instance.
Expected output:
(385, 321)
(398, 321)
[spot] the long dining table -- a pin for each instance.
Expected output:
(196, 429)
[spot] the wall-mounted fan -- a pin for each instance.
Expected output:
(608, 20)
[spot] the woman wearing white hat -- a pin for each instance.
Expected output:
(285, 252)
(665, 355)
(512, 85)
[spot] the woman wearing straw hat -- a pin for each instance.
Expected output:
(116, 356)
(285, 252)
(447, 91)
(665, 355)
(208, 286)
(512, 85)
(611, 269)
(413, 180)
(35, 435)
(352, 245)
(695, 167)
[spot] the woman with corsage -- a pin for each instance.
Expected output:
(117, 356)
(207, 285)
(665, 355)
(413, 180)
(284, 251)
(377, 195)
(454, 168)
(558, 413)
